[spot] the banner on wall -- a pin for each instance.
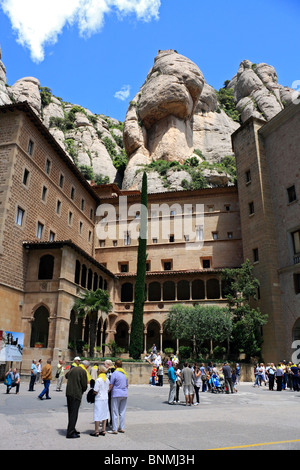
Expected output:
(11, 346)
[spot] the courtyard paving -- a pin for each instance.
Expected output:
(251, 419)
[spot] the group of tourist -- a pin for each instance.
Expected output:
(286, 375)
(108, 385)
(193, 378)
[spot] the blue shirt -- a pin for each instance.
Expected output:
(119, 382)
(171, 374)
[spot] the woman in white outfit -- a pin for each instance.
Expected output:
(101, 412)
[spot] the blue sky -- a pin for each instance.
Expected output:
(91, 57)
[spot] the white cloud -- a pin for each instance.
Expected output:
(39, 22)
(123, 94)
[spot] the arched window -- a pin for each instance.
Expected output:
(122, 335)
(154, 291)
(83, 275)
(95, 283)
(100, 282)
(213, 289)
(40, 327)
(77, 272)
(198, 290)
(183, 290)
(127, 292)
(46, 267)
(90, 279)
(169, 290)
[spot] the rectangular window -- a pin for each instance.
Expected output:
(124, 267)
(229, 234)
(147, 265)
(248, 176)
(102, 243)
(70, 218)
(206, 263)
(91, 214)
(20, 216)
(90, 235)
(48, 166)
(61, 181)
(44, 193)
(58, 207)
(251, 208)
(80, 227)
(255, 255)
(296, 242)
(167, 265)
(171, 239)
(199, 233)
(297, 283)
(215, 235)
(72, 195)
(30, 147)
(154, 240)
(39, 230)
(291, 192)
(115, 242)
(127, 239)
(82, 204)
(51, 236)
(25, 177)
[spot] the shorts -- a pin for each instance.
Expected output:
(188, 389)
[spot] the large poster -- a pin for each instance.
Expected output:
(11, 346)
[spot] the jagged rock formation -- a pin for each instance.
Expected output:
(176, 126)
(257, 92)
(174, 114)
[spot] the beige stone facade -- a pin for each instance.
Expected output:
(54, 242)
(268, 170)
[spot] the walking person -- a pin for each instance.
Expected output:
(60, 372)
(197, 383)
(76, 386)
(119, 392)
(39, 370)
(33, 373)
(160, 375)
(108, 364)
(101, 411)
(46, 375)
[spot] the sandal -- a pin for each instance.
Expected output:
(102, 433)
(95, 434)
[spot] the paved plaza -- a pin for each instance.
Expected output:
(253, 418)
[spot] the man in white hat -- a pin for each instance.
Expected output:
(76, 362)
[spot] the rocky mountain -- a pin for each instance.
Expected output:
(177, 128)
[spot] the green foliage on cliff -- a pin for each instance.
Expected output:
(227, 103)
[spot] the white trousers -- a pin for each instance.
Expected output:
(118, 409)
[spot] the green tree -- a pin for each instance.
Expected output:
(199, 324)
(90, 304)
(240, 290)
(137, 325)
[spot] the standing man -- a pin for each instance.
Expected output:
(46, 375)
(76, 386)
(119, 392)
(188, 388)
(227, 377)
(33, 373)
(60, 375)
(172, 381)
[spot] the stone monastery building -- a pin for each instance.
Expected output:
(53, 246)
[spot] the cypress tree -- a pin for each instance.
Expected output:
(137, 324)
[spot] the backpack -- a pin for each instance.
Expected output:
(90, 396)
